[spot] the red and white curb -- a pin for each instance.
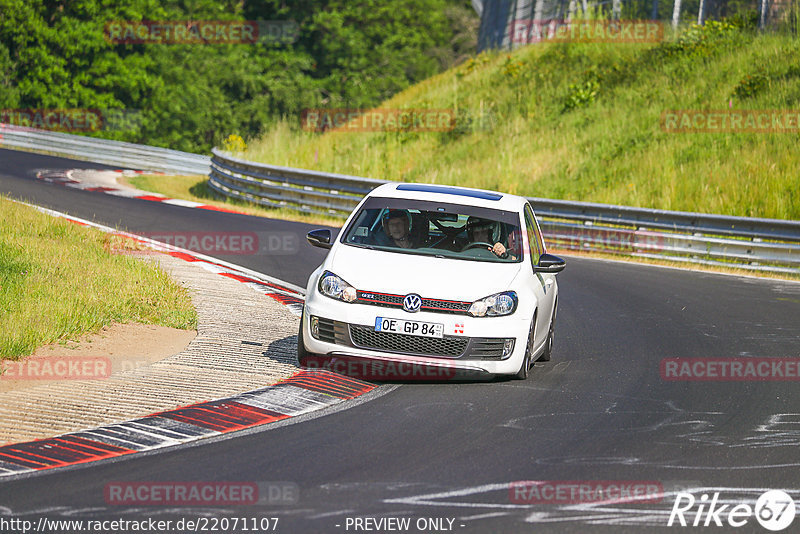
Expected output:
(69, 178)
(304, 392)
(288, 294)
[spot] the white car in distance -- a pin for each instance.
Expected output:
(428, 281)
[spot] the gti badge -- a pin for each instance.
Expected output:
(412, 302)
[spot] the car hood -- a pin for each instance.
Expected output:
(430, 277)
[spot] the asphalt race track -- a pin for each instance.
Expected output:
(17, 179)
(599, 411)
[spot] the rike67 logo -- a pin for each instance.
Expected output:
(774, 510)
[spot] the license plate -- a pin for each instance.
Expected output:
(412, 328)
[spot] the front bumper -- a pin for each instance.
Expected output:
(470, 345)
(387, 368)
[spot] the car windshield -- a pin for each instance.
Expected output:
(436, 229)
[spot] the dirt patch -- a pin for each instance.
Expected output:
(116, 348)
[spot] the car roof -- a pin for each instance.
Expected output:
(451, 194)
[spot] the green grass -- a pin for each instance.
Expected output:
(196, 188)
(59, 280)
(582, 121)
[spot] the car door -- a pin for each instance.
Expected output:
(542, 288)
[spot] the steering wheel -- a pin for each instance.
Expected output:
(449, 233)
(477, 244)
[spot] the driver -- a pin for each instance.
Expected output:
(397, 225)
(485, 231)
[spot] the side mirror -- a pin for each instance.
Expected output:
(320, 238)
(549, 264)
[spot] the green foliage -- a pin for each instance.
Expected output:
(750, 85)
(611, 146)
(54, 54)
(472, 64)
(234, 143)
(581, 95)
(366, 54)
(699, 41)
(745, 19)
(512, 68)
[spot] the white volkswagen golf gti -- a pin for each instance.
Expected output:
(429, 281)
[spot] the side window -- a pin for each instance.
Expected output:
(533, 236)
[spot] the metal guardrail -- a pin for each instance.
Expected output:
(751, 243)
(758, 244)
(273, 186)
(115, 153)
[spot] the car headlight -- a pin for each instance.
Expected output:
(334, 287)
(504, 303)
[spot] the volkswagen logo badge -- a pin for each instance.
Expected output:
(412, 302)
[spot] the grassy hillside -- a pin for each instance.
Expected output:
(582, 121)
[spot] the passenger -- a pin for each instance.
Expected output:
(488, 232)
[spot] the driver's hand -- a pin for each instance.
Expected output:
(498, 249)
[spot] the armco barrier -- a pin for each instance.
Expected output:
(758, 244)
(116, 153)
(751, 243)
(299, 189)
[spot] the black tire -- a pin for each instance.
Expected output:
(548, 349)
(302, 353)
(547, 353)
(524, 369)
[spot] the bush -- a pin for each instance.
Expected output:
(581, 95)
(750, 85)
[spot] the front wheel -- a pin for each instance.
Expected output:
(548, 349)
(524, 369)
(302, 353)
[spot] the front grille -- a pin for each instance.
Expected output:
(381, 299)
(396, 301)
(486, 348)
(446, 305)
(326, 332)
(331, 331)
(367, 338)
